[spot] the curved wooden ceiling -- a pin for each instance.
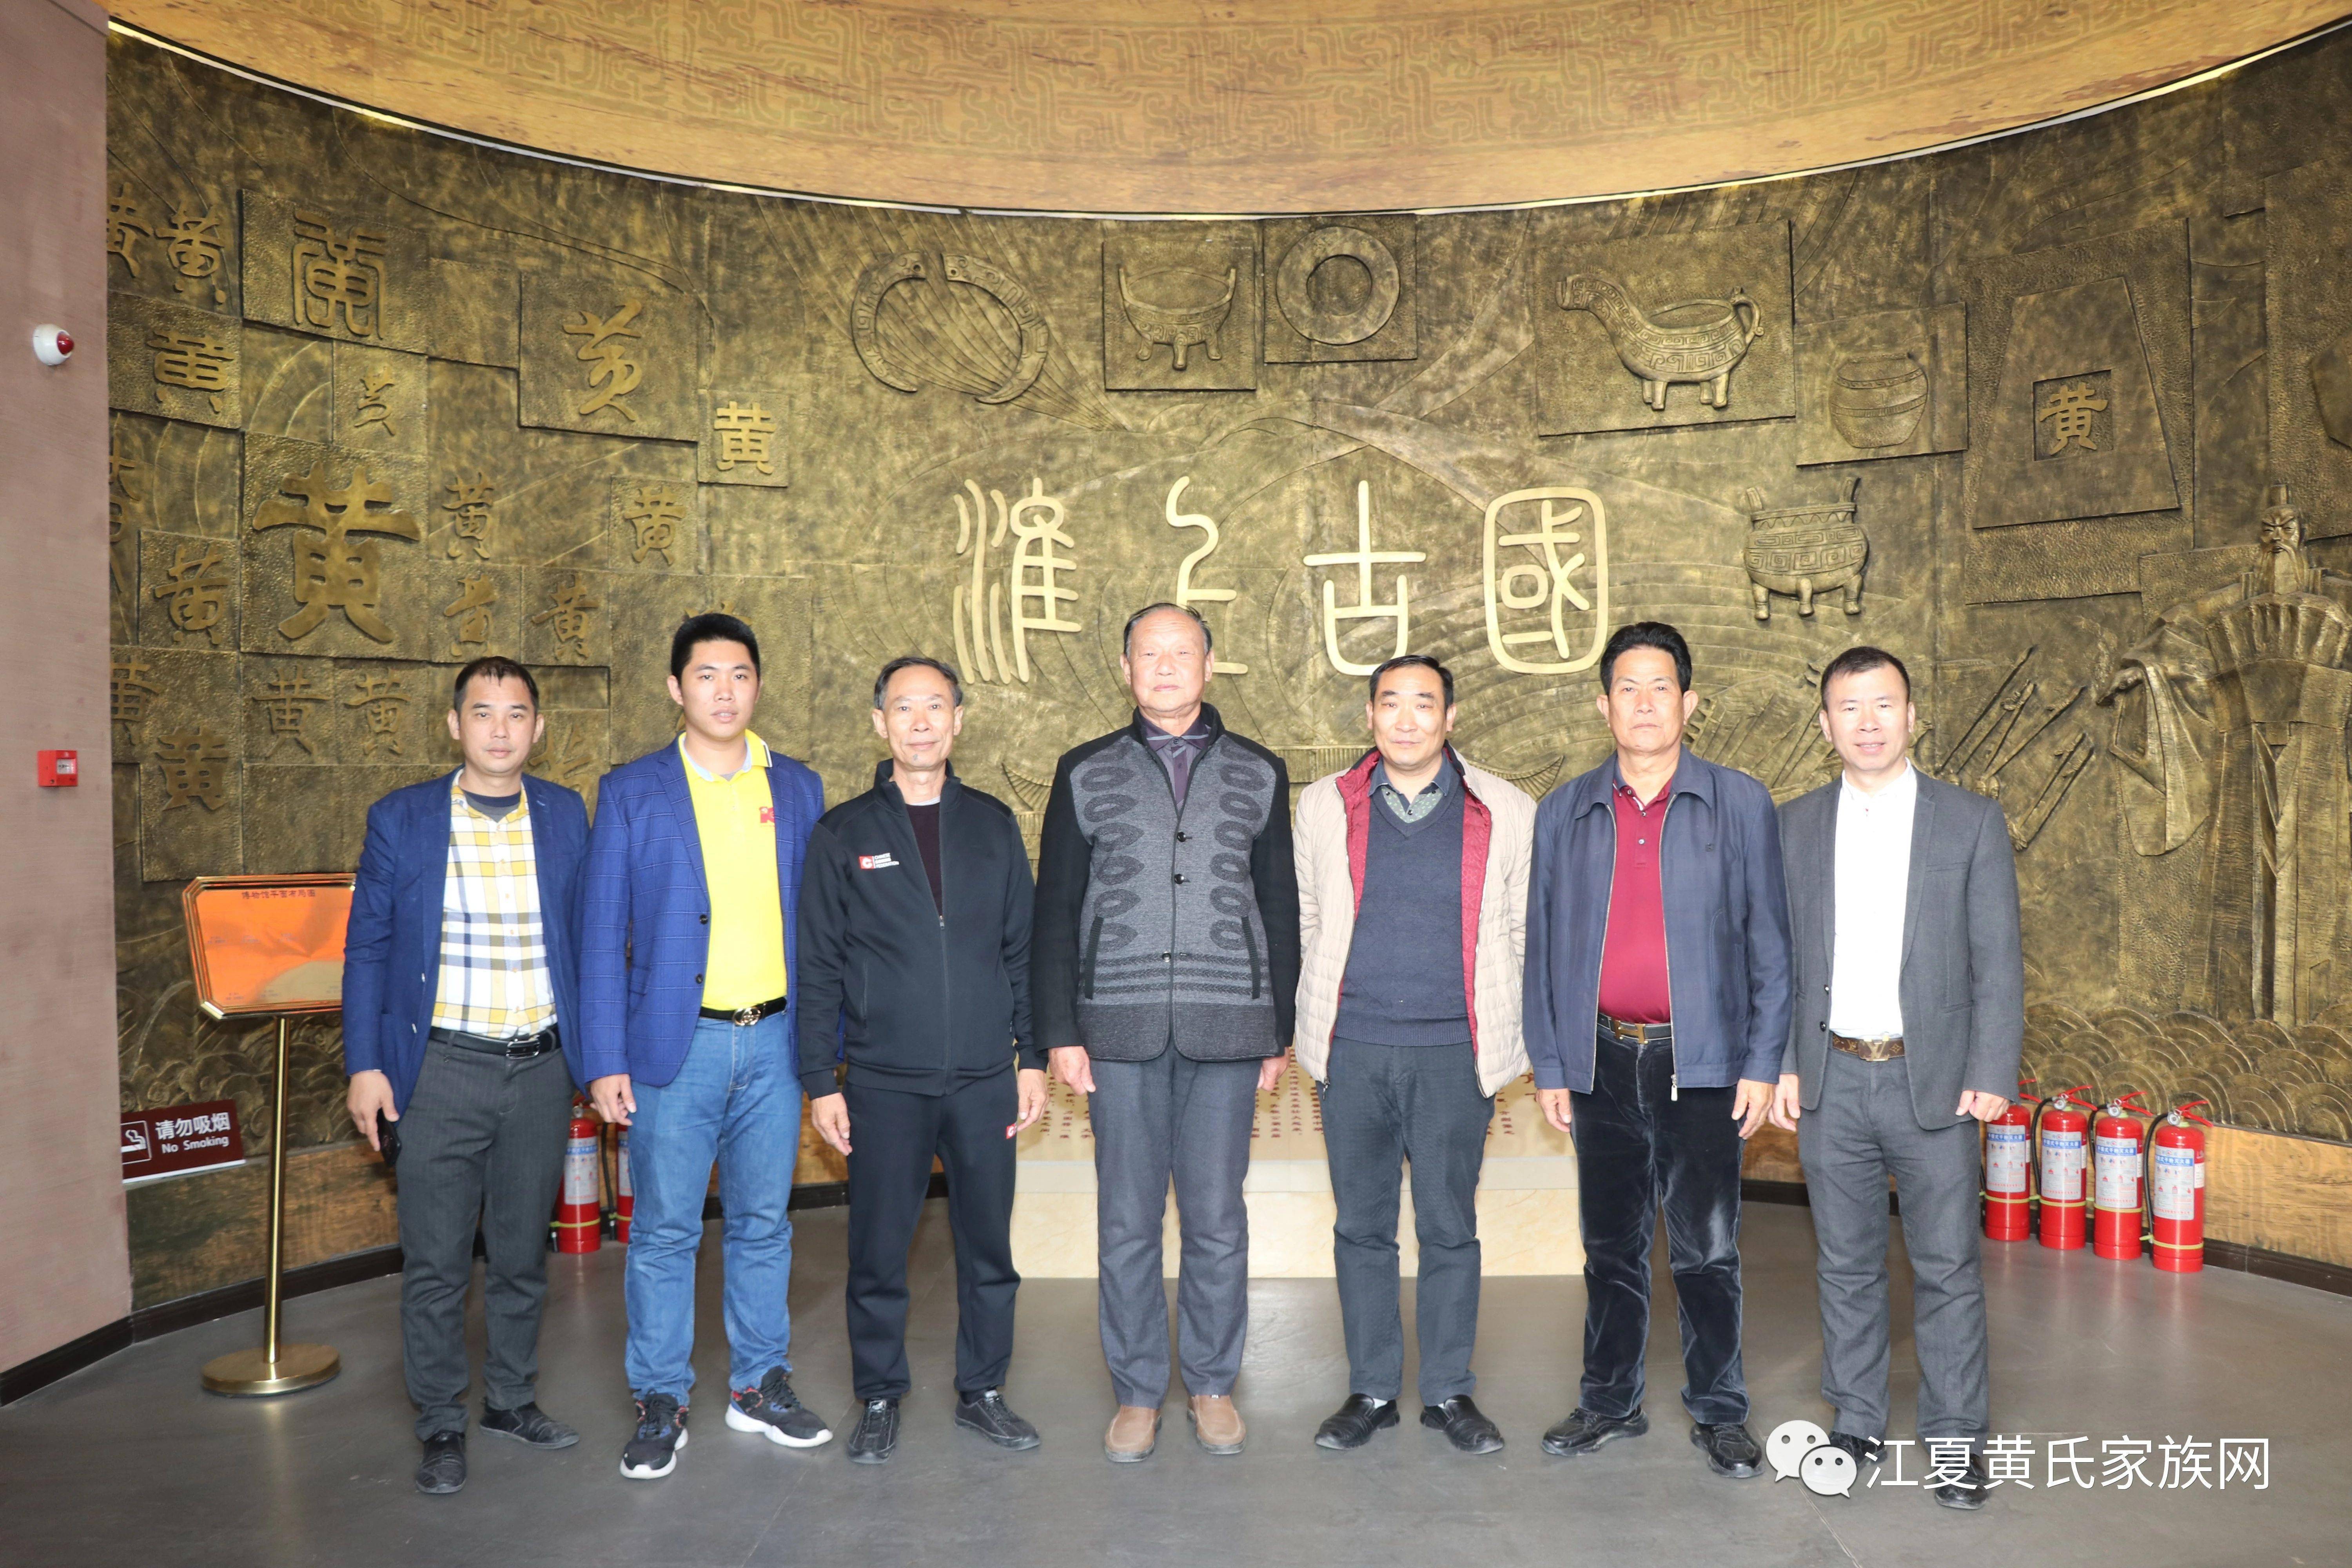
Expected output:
(1248, 106)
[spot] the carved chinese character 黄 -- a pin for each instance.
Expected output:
(338, 276)
(123, 219)
(192, 244)
(334, 574)
(2070, 408)
(612, 373)
(570, 614)
(380, 699)
(474, 604)
(1363, 558)
(285, 702)
(1545, 578)
(196, 593)
(469, 528)
(654, 511)
(195, 361)
(190, 760)
(745, 437)
(127, 693)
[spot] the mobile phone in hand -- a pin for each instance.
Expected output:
(387, 1138)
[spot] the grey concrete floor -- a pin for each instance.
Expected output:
(128, 1463)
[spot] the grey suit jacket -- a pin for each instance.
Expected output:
(1963, 985)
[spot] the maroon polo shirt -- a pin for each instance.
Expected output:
(1633, 956)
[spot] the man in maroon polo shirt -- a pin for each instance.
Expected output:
(1656, 1010)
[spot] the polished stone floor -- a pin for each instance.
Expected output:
(128, 1463)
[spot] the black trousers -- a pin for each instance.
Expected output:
(1641, 1144)
(481, 1146)
(1383, 1106)
(892, 1138)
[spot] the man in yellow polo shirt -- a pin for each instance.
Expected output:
(689, 902)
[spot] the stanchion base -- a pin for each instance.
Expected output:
(246, 1373)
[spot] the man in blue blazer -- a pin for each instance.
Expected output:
(691, 889)
(459, 989)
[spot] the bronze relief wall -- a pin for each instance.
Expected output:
(384, 402)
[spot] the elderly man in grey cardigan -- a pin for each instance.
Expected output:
(1163, 962)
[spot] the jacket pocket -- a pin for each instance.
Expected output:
(1249, 938)
(1087, 970)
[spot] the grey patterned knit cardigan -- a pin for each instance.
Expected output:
(1156, 927)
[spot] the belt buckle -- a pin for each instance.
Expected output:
(747, 1017)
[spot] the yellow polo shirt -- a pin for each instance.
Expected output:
(735, 820)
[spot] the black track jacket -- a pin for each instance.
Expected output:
(918, 1002)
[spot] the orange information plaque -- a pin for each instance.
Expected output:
(268, 944)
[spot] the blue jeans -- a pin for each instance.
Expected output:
(735, 1100)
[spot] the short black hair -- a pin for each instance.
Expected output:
(711, 625)
(1646, 634)
(916, 661)
(1419, 660)
(1126, 633)
(1854, 661)
(494, 666)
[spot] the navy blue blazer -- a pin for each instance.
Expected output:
(395, 926)
(646, 932)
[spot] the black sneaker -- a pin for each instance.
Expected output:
(443, 1469)
(1353, 1425)
(528, 1424)
(774, 1410)
(1581, 1431)
(652, 1451)
(1729, 1451)
(876, 1437)
(987, 1413)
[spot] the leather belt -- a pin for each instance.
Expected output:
(744, 1018)
(1636, 1033)
(522, 1047)
(1884, 1049)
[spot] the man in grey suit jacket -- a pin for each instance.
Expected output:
(1910, 1011)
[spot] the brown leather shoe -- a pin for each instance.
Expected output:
(1217, 1423)
(1134, 1433)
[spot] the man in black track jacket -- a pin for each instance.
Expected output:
(914, 949)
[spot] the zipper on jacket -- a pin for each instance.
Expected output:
(1666, 945)
(947, 971)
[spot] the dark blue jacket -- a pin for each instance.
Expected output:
(1727, 909)
(646, 902)
(395, 926)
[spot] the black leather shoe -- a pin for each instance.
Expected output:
(443, 1470)
(875, 1438)
(987, 1413)
(1465, 1426)
(528, 1424)
(1729, 1451)
(1863, 1451)
(1968, 1490)
(1352, 1425)
(1581, 1431)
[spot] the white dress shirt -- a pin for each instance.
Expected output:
(1874, 875)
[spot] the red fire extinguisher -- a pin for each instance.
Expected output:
(2009, 1170)
(625, 1204)
(577, 1220)
(2115, 1179)
(2058, 1138)
(2175, 1191)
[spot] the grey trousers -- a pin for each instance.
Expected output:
(1172, 1116)
(1863, 1130)
(481, 1146)
(1383, 1106)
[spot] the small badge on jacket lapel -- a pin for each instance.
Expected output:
(882, 862)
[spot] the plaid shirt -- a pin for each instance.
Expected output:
(494, 979)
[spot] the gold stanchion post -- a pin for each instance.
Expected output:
(276, 1368)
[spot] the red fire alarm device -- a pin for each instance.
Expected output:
(60, 770)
